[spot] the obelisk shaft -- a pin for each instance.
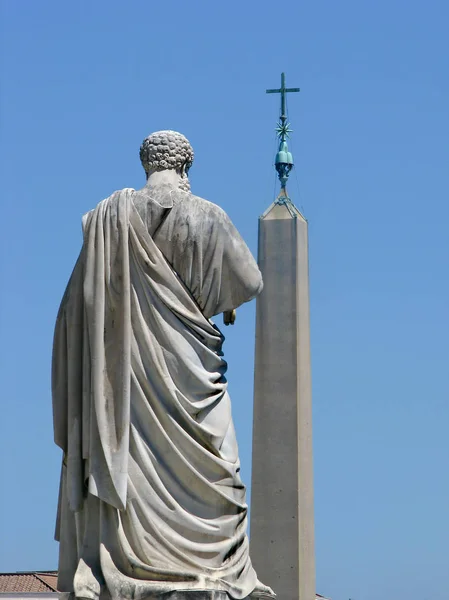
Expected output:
(282, 521)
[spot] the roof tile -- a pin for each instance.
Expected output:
(27, 583)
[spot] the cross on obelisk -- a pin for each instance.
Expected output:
(282, 522)
(284, 159)
(283, 91)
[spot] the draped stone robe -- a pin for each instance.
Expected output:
(151, 498)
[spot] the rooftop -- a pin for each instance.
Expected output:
(28, 582)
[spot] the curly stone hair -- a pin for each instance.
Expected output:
(166, 150)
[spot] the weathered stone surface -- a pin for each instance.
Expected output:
(151, 498)
(171, 595)
(195, 595)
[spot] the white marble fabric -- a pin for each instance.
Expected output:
(151, 499)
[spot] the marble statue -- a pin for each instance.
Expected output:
(151, 501)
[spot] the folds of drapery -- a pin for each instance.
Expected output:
(204, 248)
(91, 361)
(141, 409)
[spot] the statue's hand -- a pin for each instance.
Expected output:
(229, 317)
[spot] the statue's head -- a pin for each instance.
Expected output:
(167, 150)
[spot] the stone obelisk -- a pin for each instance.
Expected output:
(282, 521)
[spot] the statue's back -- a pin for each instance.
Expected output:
(201, 244)
(151, 499)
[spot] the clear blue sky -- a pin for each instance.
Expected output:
(82, 83)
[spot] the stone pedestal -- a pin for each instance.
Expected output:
(160, 595)
(282, 522)
(195, 595)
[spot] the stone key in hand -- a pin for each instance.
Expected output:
(229, 317)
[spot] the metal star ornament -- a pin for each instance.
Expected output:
(283, 129)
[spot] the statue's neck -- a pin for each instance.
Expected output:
(169, 177)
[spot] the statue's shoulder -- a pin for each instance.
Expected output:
(111, 200)
(200, 207)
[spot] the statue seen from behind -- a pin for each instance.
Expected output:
(151, 501)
